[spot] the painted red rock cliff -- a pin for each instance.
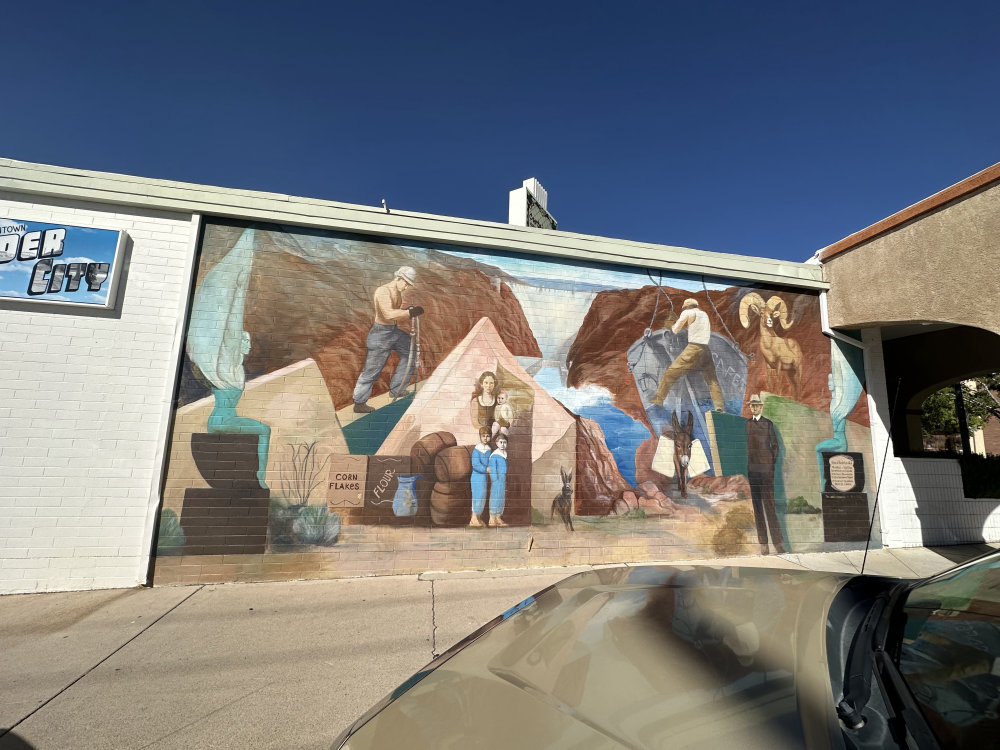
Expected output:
(319, 305)
(598, 482)
(618, 318)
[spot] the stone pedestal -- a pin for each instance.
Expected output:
(845, 517)
(845, 506)
(225, 522)
(230, 516)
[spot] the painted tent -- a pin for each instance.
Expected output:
(442, 401)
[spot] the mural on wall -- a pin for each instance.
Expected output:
(377, 405)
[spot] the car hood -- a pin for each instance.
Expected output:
(648, 656)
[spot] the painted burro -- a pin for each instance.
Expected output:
(354, 405)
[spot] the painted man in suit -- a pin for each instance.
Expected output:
(762, 454)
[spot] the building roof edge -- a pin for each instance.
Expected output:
(927, 205)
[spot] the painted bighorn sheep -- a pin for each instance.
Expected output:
(780, 354)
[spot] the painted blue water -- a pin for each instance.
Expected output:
(622, 434)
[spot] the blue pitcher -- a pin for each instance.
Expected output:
(404, 502)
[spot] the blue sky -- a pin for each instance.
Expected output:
(764, 128)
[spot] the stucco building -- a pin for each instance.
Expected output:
(920, 285)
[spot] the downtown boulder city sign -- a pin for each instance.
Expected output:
(60, 264)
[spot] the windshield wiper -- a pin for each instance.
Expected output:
(903, 709)
(860, 668)
(868, 661)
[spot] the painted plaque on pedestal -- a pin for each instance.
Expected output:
(844, 472)
(845, 504)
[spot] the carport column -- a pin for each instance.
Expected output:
(879, 407)
(963, 419)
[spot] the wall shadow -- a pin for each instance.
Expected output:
(12, 741)
(963, 553)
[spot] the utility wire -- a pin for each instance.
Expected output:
(878, 489)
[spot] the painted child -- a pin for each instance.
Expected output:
(480, 466)
(498, 481)
(503, 414)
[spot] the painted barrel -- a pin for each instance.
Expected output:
(424, 451)
(451, 497)
(451, 503)
(422, 456)
(454, 464)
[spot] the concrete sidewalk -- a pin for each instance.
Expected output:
(268, 665)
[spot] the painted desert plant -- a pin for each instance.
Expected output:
(315, 524)
(732, 535)
(280, 518)
(799, 505)
(171, 537)
(305, 475)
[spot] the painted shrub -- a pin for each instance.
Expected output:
(352, 405)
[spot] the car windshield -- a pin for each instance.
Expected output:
(950, 653)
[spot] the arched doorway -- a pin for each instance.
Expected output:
(922, 359)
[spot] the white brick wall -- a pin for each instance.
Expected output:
(84, 401)
(921, 500)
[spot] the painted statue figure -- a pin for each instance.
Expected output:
(480, 479)
(846, 364)
(498, 481)
(217, 344)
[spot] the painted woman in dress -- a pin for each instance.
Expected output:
(480, 480)
(498, 481)
(484, 402)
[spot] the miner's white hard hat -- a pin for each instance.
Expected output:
(407, 274)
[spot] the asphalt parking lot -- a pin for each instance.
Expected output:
(267, 665)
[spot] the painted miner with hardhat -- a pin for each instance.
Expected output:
(386, 337)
